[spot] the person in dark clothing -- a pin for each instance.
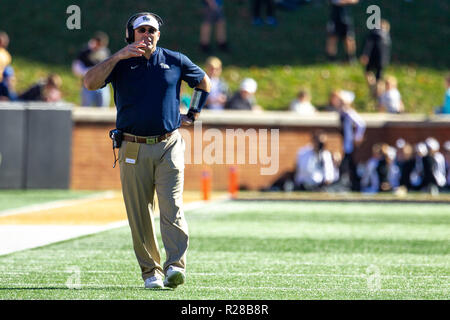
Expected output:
(213, 16)
(352, 128)
(146, 80)
(376, 55)
(387, 170)
(434, 173)
(270, 6)
(47, 90)
(244, 98)
(405, 162)
(95, 52)
(340, 26)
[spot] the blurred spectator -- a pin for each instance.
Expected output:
(244, 99)
(47, 90)
(270, 11)
(445, 109)
(213, 14)
(416, 176)
(434, 167)
(7, 85)
(353, 128)
(447, 162)
(340, 27)
(390, 100)
(406, 162)
(219, 88)
(381, 172)
(5, 57)
(370, 181)
(387, 170)
(95, 52)
(303, 104)
(400, 144)
(337, 159)
(314, 165)
(376, 55)
(333, 102)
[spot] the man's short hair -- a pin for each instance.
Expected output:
(101, 37)
(303, 93)
(54, 80)
(214, 62)
(385, 25)
(392, 80)
(319, 137)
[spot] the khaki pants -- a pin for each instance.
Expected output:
(159, 166)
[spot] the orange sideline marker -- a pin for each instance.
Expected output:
(206, 184)
(233, 182)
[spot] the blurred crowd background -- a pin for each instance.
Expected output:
(300, 56)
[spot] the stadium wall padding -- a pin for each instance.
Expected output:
(36, 146)
(12, 147)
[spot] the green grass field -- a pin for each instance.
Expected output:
(259, 250)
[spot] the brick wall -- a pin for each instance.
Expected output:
(92, 156)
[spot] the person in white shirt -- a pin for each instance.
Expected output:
(352, 128)
(390, 100)
(219, 88)
(302, 104)
(434, 167)
(315, 167)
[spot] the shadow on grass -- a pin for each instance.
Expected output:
(86, 288)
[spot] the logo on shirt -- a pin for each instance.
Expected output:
(164, 66)
(134, 67)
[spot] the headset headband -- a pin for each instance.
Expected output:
(129, 31)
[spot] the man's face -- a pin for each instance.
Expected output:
(334, 100)
(94, 44)
(148, 34)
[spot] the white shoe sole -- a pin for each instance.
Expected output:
(155, 285)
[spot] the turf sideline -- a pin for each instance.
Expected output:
(58, 204)
(15, 238)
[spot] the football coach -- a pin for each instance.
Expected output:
(146, 80)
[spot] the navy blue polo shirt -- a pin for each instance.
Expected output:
(147, 92)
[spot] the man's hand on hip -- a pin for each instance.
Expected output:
(186, 121)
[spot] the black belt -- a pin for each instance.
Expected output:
(147, 140)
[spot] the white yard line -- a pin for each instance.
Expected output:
(20, 237)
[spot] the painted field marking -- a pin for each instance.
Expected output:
(58, 204)
(15, 238)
